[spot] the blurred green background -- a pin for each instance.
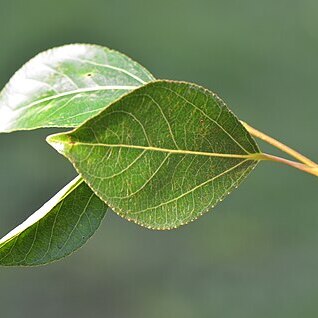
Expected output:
(256, 255)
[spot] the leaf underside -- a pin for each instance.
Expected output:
(59, 228)
(65, 86)
(162, 155)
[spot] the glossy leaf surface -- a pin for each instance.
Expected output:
(65, 86)
(162, 155)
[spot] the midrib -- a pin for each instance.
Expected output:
(250, 156)
(77, 91)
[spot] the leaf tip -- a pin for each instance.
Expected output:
(59, 142)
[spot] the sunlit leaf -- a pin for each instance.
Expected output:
(65, 86)
(162, 155)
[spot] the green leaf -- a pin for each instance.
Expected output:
(62, 87)
(65, 86)
(59, 228)
(162, 155)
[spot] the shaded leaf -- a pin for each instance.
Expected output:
(64, 86)
(59, 228)
(162, 155)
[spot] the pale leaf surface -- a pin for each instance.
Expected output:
(65, 86)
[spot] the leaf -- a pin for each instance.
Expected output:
(57, 229)
(65, 86)
(62, 87)
(162, 155)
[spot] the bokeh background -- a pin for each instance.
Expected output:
(256, 254)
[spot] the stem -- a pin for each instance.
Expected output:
(297, 165)
(307, 162)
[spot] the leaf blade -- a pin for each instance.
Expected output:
(65, 86)
(56, 230)
(162, 155)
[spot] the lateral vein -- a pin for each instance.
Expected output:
(191, 190)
